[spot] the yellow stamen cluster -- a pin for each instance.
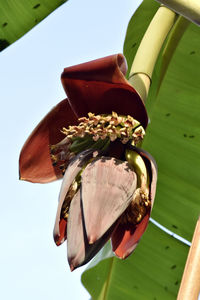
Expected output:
(138, 208)
(101, 126)
(94, 128)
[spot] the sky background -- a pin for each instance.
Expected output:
(32, 267)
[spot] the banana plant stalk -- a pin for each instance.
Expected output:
(188, 9)
(149, 49)
(190, 284)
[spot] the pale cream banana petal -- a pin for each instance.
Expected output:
(78, 249)
(73, 169)
(108, 185)
(75, 234)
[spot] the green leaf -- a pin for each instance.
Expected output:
(169, 49)
(19, 16)
(153, 271)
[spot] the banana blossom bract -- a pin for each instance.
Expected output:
(107, 192)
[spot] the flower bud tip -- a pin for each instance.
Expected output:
(72, 267)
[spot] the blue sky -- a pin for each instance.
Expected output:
(32, 267)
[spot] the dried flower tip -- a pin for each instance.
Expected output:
(90, 115)
(139, 132)
(83, 119)
(114, 114)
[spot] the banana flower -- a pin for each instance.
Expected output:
(89, 140)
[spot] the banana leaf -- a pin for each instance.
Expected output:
(19, 16)
(153, 271)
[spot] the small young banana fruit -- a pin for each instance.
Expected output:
(137, 162)
(140, 203)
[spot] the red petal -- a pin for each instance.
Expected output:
(35, 162)
(126, 237)
(100, 86)
(60, 231)
(73, 169)
(107, 189)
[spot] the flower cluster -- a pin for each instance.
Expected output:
(96, 131)
(113, 126)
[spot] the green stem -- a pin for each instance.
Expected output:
(174, 38)
(148, 51)
(188, 9)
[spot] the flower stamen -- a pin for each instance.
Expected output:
(96, 131)
(112, 126)
(138, 208)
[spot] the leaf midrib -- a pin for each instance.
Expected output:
(105, 291)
